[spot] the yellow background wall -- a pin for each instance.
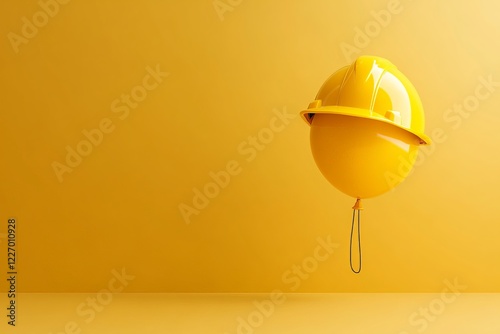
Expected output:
(223, 79)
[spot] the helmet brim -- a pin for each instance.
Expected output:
(308, 115)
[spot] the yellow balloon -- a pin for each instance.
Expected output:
(361, 157)
(367, 122)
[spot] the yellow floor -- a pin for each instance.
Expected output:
(255, 313)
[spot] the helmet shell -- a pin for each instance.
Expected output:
(371, 87)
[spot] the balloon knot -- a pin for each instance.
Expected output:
(358, 205)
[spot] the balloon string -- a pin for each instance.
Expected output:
(359, 241)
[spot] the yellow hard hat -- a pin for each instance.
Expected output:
(373, 88)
